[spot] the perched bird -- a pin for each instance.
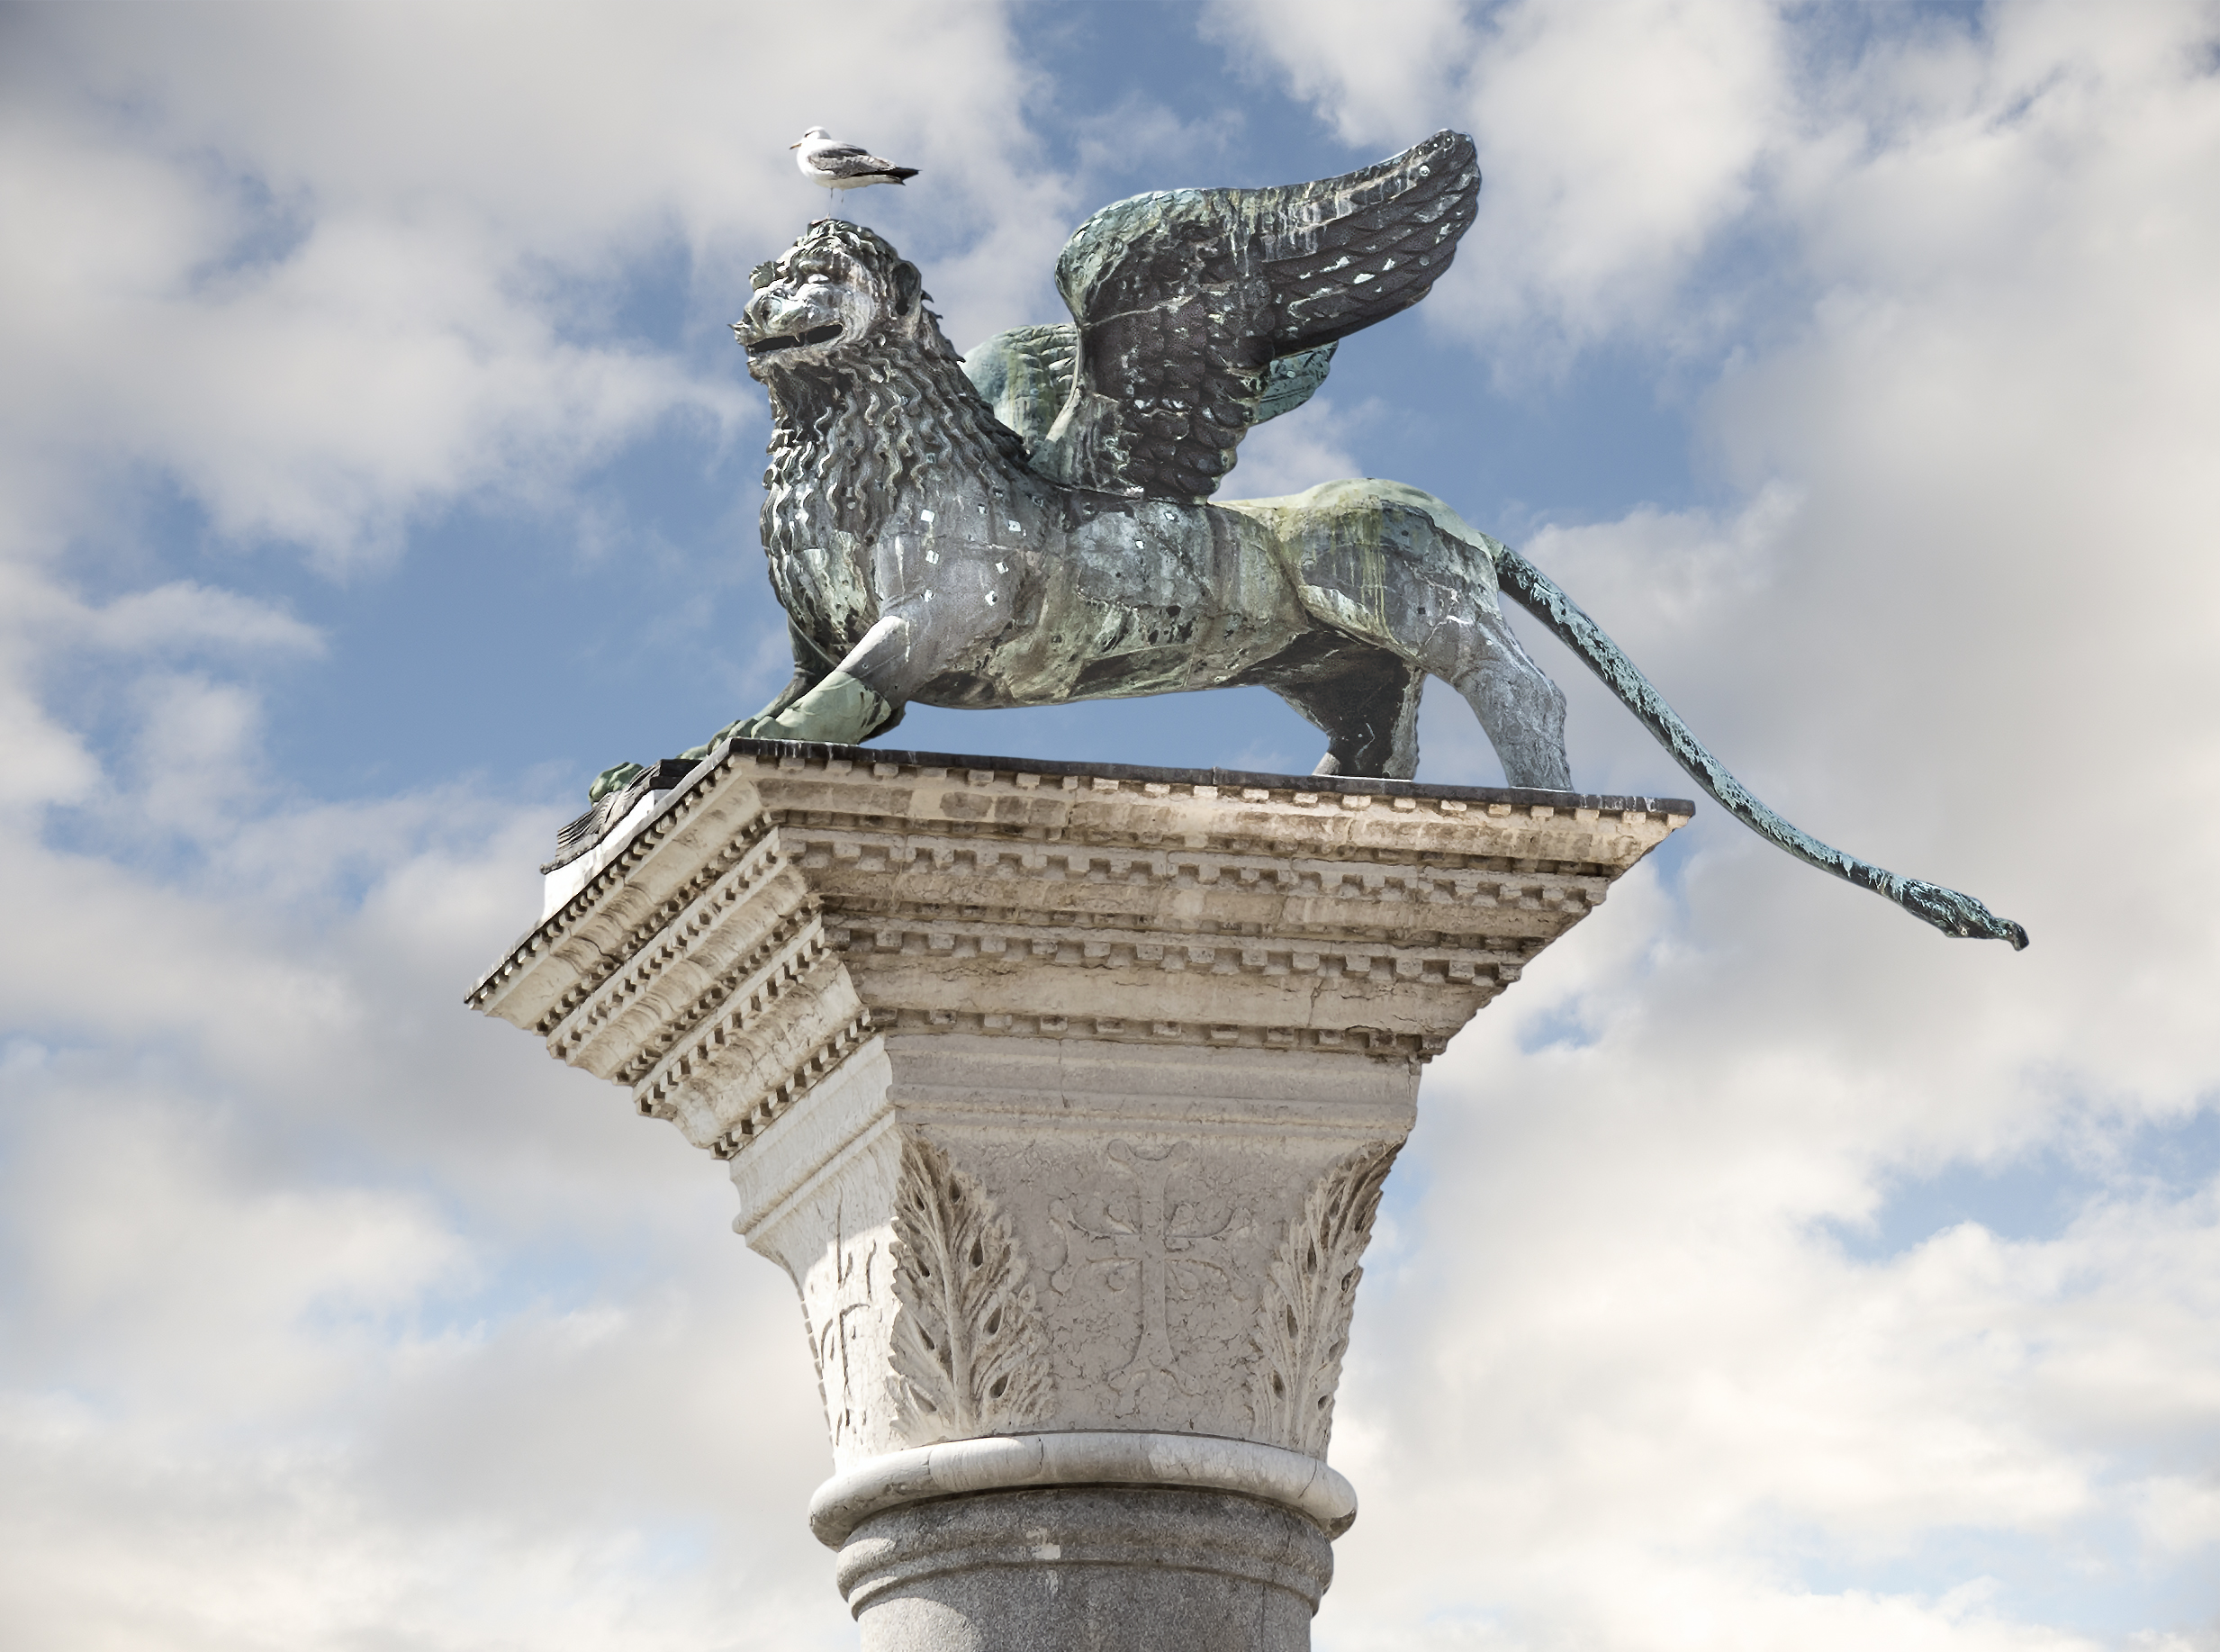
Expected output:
(824, 159)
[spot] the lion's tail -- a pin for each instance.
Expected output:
(1948, 910)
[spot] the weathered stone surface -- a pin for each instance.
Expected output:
(1023, 1461)
(1135, 1211)
(730, 938)
(1129, 1569)
(1065, 1096)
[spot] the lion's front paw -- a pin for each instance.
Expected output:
(757, 727)
(740, 729)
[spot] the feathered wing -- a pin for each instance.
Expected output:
(1025, 376)
(853, 160)
(1184, 300)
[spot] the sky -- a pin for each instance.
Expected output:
(1765, 1270)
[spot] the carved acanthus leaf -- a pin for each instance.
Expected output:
(1303, 1319)
(971, 1354)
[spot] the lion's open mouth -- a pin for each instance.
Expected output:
(815, 335)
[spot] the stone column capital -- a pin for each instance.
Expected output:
(1066, 1094)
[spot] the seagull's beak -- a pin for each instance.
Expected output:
(797, 143)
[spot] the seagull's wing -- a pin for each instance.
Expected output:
(1185, 301)
(852, 161)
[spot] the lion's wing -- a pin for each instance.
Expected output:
(1183, 301)
(1025, 375)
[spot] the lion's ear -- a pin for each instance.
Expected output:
(764, 274)
(908, 284)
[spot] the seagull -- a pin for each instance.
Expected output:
(824, 159)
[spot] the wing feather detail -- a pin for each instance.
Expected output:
(1025, 375)
(1184, 299)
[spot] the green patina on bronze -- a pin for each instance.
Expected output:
(1035, 523)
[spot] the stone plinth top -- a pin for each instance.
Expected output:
(612, 816)
(743, 929)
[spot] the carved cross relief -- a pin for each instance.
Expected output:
(1154, 1240)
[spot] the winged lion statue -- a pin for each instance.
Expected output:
(1035, 523)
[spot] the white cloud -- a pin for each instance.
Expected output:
(2182, 1514)
(187, 614)
(1616, 137)
(323, 286)
(1297, 450)
(333, 1322)
(1364, 81)
(1618, 1347)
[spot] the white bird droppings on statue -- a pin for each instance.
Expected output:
(824, 160)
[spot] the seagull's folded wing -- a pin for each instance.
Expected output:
(849, 160)
(1183, 301)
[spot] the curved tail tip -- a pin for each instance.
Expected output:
(1991, 928)
(1988, 926)
(1959, 915)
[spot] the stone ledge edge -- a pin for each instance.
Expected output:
(1344, 785)
(1013, 1462)
(581, 836)
(701, 779)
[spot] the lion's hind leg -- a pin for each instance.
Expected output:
(1365, 700)
(1386, 564)
(1520, 709)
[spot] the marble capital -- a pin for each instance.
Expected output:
(1065, 1094)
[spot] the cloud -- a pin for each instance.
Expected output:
(2181, 1514)
(185, 614)
(331, 282)
(1617, 1342)
(1297, 450)
(1617, 138)
(333, 1323)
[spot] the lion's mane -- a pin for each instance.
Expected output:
(855, 429)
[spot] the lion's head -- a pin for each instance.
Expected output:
(836, 286)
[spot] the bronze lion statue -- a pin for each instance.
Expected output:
(1034, 524)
